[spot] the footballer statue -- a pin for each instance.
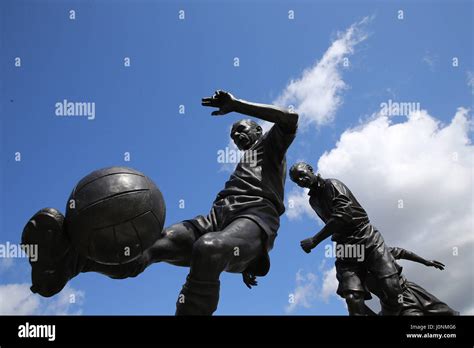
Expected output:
(348, 224)
(114, 219)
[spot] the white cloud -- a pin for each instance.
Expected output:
(298, 205)
(330, 284)
(316, 95)
(469, 311)
(429, 166)
(308, 291)
(6, 263)
(17, 299)
(304, 293)
(470, 80)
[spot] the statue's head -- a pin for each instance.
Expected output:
(302, 174)
(245, 133)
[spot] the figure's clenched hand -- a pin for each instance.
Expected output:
(307, 244)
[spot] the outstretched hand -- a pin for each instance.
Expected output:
(249, 279)
(222, 100)
(308, 244)
(435, 264)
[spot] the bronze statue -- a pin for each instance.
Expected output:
(347, 223)
(244, 220)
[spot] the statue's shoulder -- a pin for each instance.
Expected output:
(337, 185)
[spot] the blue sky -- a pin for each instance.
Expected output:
(177, 62)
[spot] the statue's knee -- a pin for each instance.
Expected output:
(208, 246)
(182, 233)
(353, 298)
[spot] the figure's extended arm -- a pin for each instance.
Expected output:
(226, 103)
(341, 218)
(328, 230)
(270, 113)
(400, 253)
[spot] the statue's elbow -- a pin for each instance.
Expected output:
(293, 120)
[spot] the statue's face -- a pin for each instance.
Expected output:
(303, 175)
(245, 133)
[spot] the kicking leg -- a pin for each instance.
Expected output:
(55, 262)
(175, 247)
